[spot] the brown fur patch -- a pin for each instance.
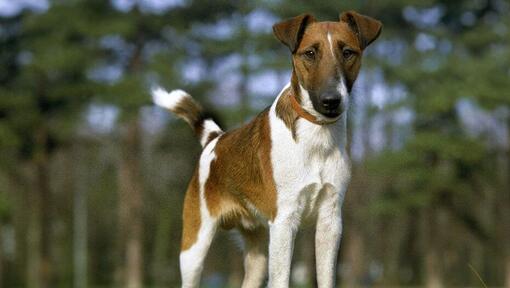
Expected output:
(289, 32)
(366, 28)
(211, 137)
(191, 111)
(191, 213)
(285, 112)
(242, 173)
(314, 75)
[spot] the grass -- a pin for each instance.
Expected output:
(477, 275)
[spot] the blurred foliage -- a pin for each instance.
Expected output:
(429, 129)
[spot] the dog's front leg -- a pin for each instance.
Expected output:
(282, 233)
(327, 238)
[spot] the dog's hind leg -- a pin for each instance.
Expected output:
(192, 259)
(198, 232)
(255, 257)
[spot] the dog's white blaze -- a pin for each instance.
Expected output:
(342, 89)
(191, 260)
(318, 165)
(331, 45)
(209, 127)
(168, 100)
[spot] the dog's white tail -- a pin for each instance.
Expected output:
(184, 106)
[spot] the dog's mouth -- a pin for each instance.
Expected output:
(331, 113)
(328, 112)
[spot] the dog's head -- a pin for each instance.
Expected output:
(326, 58)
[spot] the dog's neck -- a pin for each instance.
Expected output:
(310, 129)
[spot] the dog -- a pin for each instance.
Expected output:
(287, 165)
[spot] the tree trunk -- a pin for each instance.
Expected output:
(507, 272)
(505, 211)
(43, 183)
(433, 277)
(33, 242)
(160, 260)
(130, 205)
(354, 257)
(1, 255)
(80, 220)
(503, 225)
(39, 222)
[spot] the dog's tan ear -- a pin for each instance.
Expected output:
(366, 28)
(290, 31)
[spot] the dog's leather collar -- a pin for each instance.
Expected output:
(304, 114)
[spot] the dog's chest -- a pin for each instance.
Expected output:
(304, 168)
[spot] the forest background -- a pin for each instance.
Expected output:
(92, 175)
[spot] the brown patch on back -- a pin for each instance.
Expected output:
(242, 173)
(191, 213)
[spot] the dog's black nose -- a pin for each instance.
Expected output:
(331, 103)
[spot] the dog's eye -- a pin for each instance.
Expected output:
(347, 53)
(310, 54)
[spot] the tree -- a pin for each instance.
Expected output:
(43, 92)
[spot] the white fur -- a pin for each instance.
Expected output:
(168, 100)
(192, 260)
(331, 45)
(327, 235)
(318, 169)
(342, 88)
(344, 93)
(209, 127)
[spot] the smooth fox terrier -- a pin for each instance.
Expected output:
(286, 166)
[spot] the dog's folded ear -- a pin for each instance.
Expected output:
(366, 28)
(290, 31)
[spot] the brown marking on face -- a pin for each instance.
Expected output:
(242, 173)
(191, 213)
(319, 64)
(321, 74)
(328, 63)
